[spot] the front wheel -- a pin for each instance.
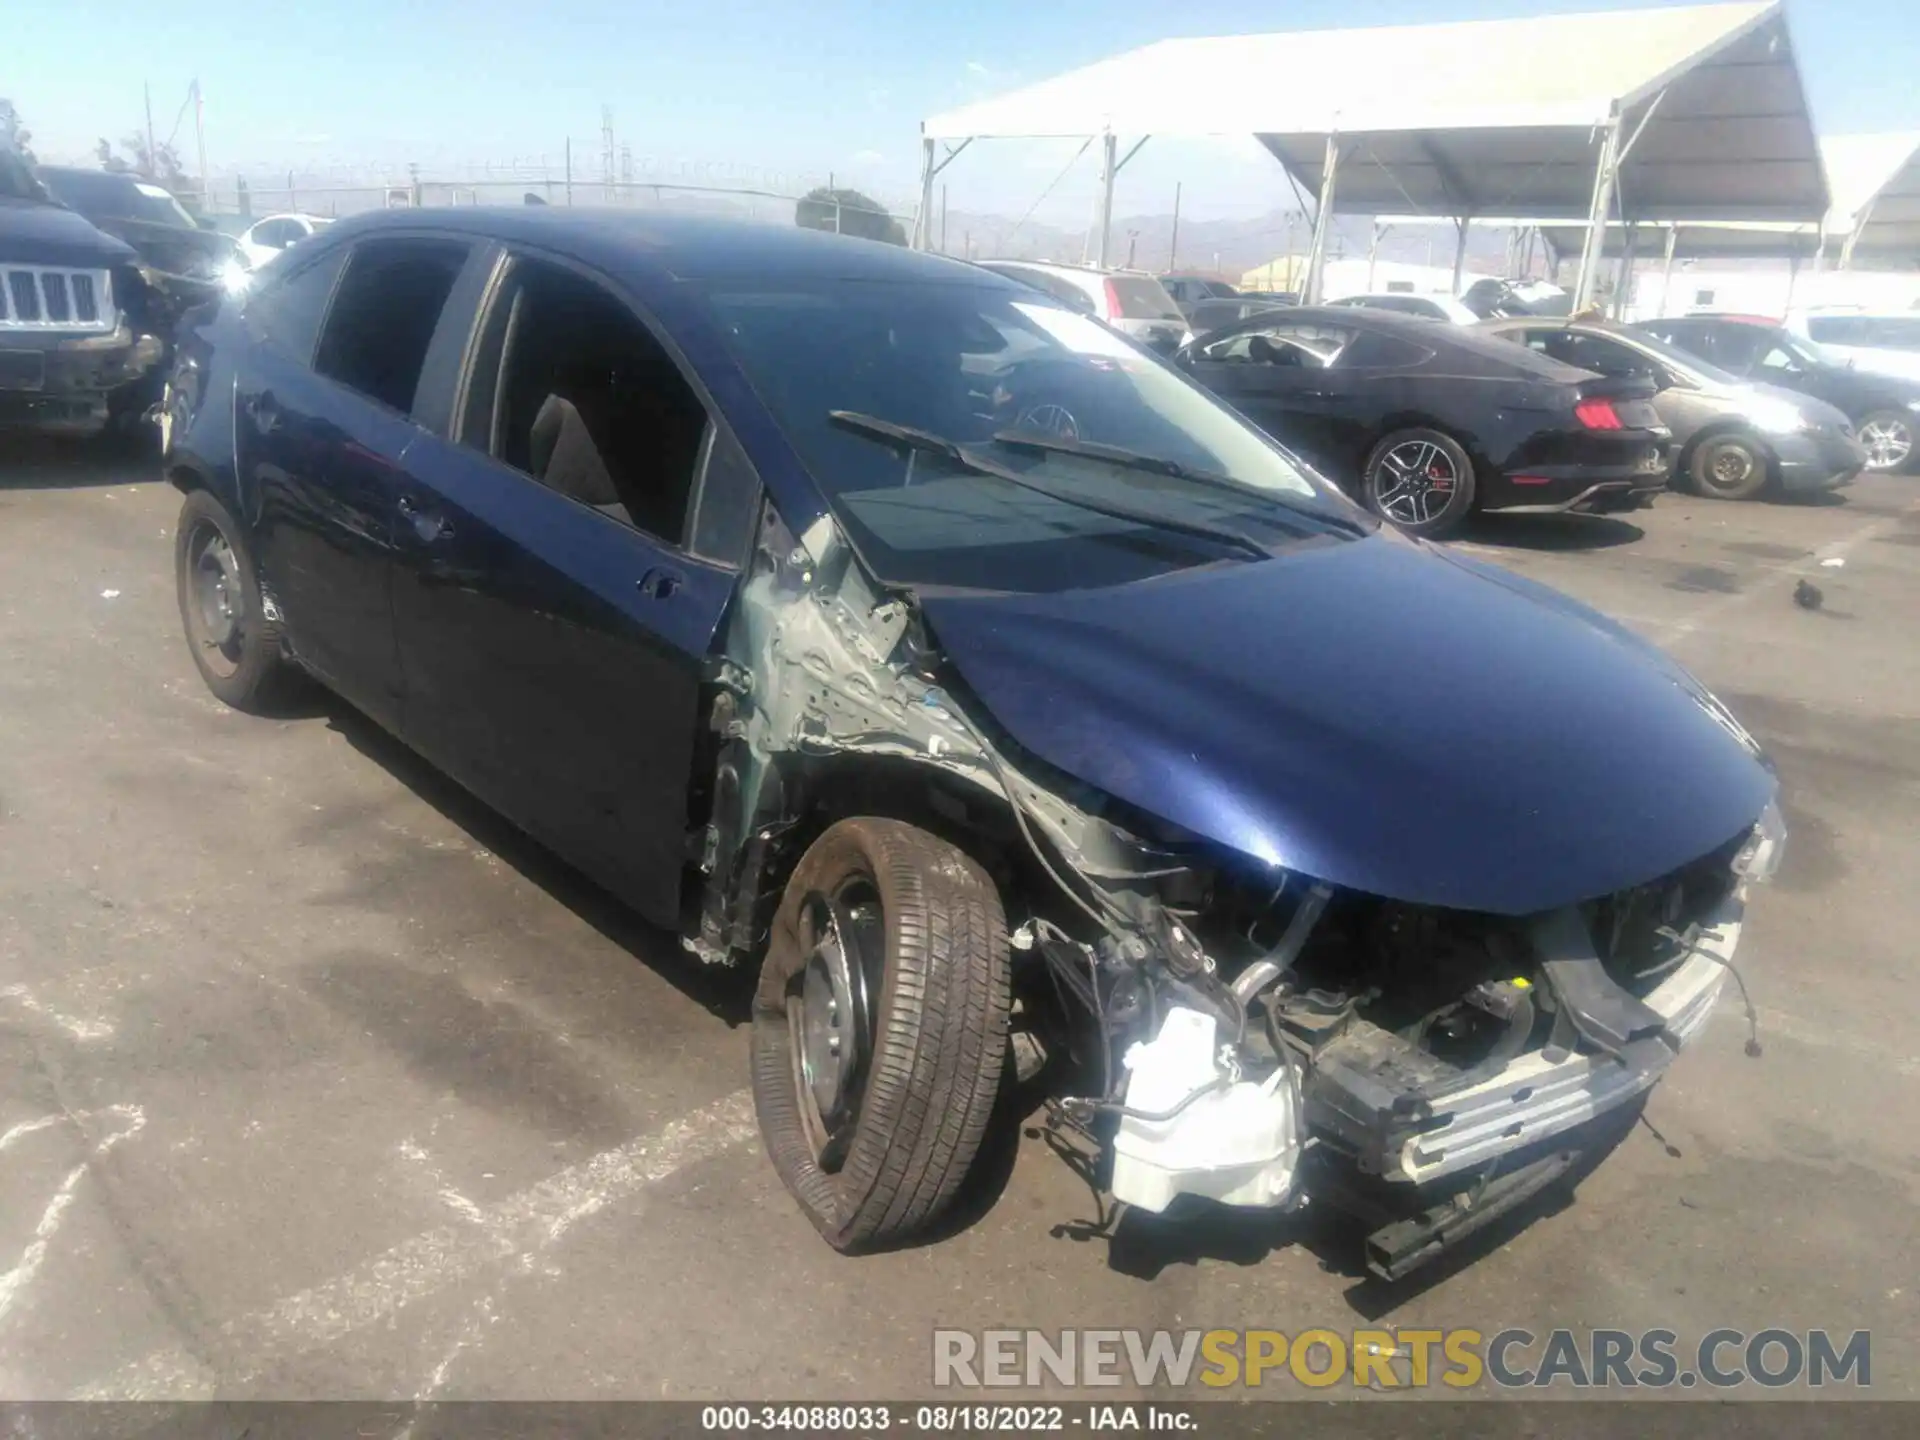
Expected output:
(880, 1029)
(1421, 480)
(1729, 467)
(1888, 436)
(234, 645)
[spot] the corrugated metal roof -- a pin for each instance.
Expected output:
(1484, 117)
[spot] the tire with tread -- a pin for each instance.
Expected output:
(1738, 453)
(258, 675)
(939, 1034)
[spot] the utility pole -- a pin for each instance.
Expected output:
(200, 139)
(1173, 245)
(943, 217)
(153, 160)
(567, 161)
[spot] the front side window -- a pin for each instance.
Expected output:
(383, 316)
(992, 384)
(571, 389)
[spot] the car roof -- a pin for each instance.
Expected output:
(684, 247)
(1467, 349)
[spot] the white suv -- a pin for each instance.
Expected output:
(1887, 342)
(1132, 301)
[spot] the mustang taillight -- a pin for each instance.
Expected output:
(1598, 415)
(1113, 300)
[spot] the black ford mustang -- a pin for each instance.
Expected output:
(1425, 423)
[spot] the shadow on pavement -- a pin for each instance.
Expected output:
(44, 462)
(726, 993)
(1549, 532)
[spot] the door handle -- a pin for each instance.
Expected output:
(660, 584)
(428, 525)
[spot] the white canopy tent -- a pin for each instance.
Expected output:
(1692, 113)
(1876, 195)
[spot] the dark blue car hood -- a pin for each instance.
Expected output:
(1376, 714)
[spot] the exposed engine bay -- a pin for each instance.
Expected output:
(1225, 1028)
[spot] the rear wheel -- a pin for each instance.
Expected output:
(880, 1029)
(1888, 436)
(234, 645)
(1729, 467)
(1421, 480)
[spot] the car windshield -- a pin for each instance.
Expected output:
(100, 196)
(974, 365)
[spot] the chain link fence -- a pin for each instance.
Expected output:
(716, 189)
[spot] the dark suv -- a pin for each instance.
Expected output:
(75, 354)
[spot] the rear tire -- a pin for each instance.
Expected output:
(874, 1078)
(1420, 481)
(1889, 437)
(1729, 467)
(233, 644)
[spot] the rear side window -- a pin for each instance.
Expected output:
(1142, 297)
(383, 316)
(1372, 350)
(287, 312)
(1839, 329)
(1896, 332)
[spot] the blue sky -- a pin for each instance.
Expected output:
(766, 90)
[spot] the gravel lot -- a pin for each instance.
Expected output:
(317, 1081)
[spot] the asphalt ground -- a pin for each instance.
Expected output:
(318, 1081)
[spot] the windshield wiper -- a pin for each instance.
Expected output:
(970, 458)
(1157, 465)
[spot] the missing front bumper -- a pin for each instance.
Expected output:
(1401, 1129)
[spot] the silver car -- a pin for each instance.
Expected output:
(1732, 440)
(1131, 301)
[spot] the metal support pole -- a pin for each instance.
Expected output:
(1666, 278)
(1462, 224)
(1108, 169)
(1597, 213)
(569, 170)
(922, 219)
(943, 217)
(1173, 245)
(1853, 236)
(1373, 252)
(1322, 224)
(1793, 281)
(1623, 286)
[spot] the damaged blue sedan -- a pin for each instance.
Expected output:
(1001, 696)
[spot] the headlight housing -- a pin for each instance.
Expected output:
(1777, 417)
(1759, 859)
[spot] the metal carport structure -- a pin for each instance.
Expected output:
(1876, 193)
(1690, 113)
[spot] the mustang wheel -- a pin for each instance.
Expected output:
(1729, 467)
(1888, 436)
(880, 1029)
(235, 646)
(1421, 480)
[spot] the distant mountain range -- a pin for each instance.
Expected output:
(1231, 247)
